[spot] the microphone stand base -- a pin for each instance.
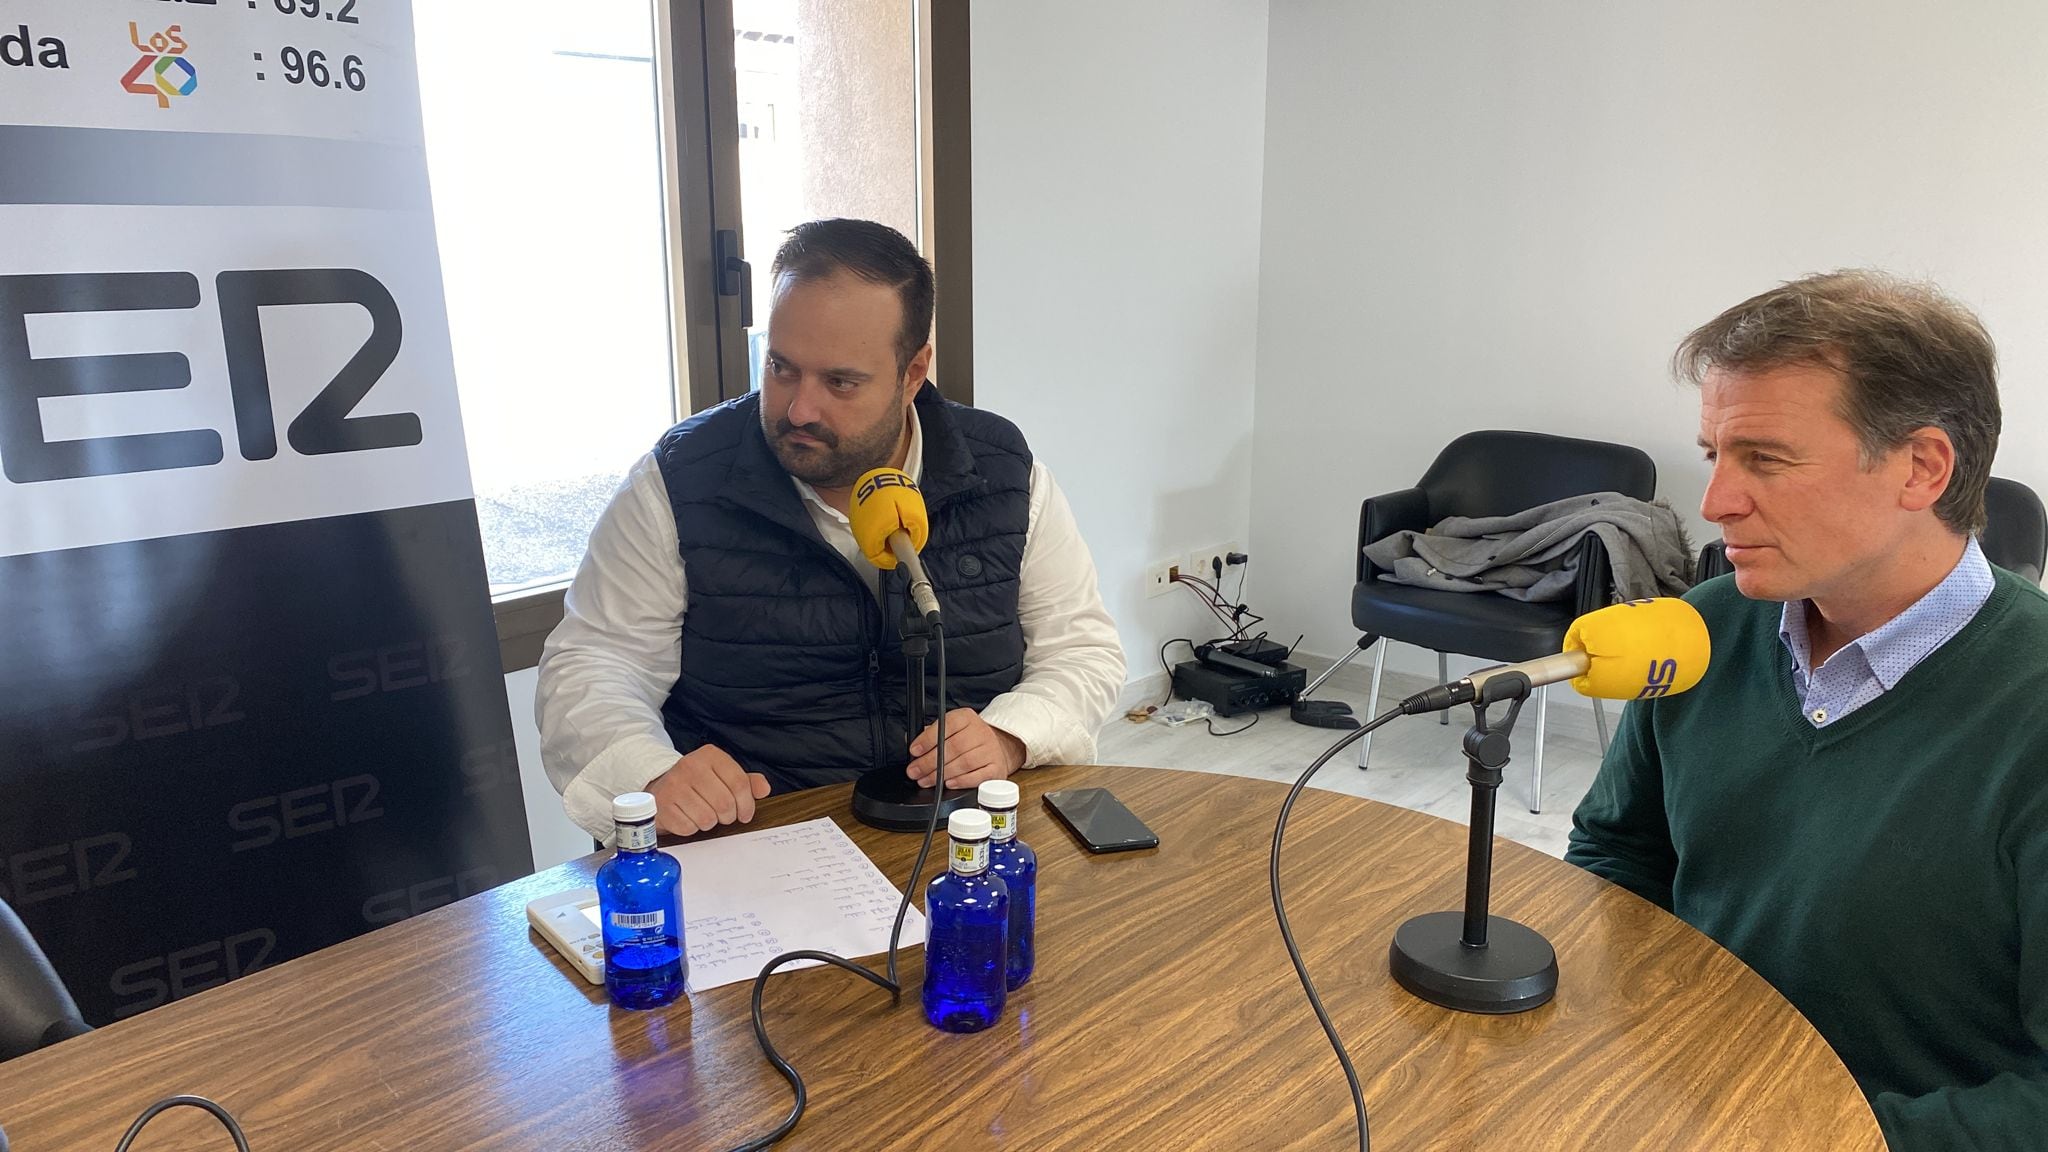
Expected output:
(1322, 714)
(889, 801)
(1514, 972)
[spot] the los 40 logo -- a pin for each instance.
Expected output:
(27, 457)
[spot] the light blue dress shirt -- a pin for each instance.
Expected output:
(1870, 665)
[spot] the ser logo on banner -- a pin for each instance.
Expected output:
(66, 869)
(169, 709)
(160, 979)
(427, 895)
(27, 456)
(397, 667)
(304, 812)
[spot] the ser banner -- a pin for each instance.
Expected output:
(250, 700)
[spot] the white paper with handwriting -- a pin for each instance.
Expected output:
(752, 897)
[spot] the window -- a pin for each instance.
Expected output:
(545, 151)
(828, 97)
(607, 207)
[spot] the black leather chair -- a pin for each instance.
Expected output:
(2016, 532)
(35, 1009)
(1492, 473)
(2015, 535)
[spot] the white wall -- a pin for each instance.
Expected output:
(1117, 153)
(554, 838)
(1500, 214)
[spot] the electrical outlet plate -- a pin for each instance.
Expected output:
(1202, 561)
(1159, 578)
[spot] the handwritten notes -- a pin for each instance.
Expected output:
(751, 897)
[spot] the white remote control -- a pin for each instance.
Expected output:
(568, 920)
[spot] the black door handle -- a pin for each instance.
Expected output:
(735, 275)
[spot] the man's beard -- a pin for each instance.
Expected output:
(840, 461)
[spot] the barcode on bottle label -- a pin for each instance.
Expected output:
(638, 920)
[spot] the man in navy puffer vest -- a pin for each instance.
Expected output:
(724, 637)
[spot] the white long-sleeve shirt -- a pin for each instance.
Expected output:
(607, 669)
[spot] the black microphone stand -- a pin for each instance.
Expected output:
(1473, 962)
(886, 798)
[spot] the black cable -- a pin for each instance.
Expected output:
(1210, 598)
(1169, 671)
(200, 1102)
(890, 981)
(1287, 933)
(1238, 617)
(1205, 591)
(1211, 722)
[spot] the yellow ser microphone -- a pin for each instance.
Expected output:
(1639, 650)
(890, 527)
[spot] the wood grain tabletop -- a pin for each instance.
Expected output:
(1163, 1015)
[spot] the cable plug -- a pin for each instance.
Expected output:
(1438, 699)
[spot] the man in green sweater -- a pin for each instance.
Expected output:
(1855, 798)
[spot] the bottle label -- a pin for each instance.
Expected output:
(636, 836)
(639, 921)
(970, 857)
(1002, 823)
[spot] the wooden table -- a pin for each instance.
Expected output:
(1163, 1015)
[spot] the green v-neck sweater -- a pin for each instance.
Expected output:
(1887, 873)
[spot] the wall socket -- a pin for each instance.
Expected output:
(1203, 561)
(1159, 577)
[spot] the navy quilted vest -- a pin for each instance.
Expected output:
(789, 663)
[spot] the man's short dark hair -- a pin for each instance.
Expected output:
(873, 252)
(1912, 358)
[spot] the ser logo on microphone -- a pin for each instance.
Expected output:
(1663, 675)
(880, 480)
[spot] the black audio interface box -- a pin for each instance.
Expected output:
(1231, 692)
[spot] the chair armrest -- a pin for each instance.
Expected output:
(1594, 588)
(1381, 516)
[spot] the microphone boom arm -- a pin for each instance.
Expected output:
(1504, 682)
(913, 569)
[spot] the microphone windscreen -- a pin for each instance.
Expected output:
(1640, 650)
(884, 500)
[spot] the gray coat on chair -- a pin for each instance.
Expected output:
(1531, 554)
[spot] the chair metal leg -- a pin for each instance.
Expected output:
(1600, 718)
(1372, 704)
(1347, 658)
(1536, 764)
(1443, 675)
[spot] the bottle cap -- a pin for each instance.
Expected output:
(632, 807)
(968, 824)
(997, 794)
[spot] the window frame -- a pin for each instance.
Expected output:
(699, 116)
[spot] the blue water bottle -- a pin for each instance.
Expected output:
(967, 914)
(640, 911)
(1014, 861)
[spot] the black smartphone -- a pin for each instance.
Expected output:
(1100, 820)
